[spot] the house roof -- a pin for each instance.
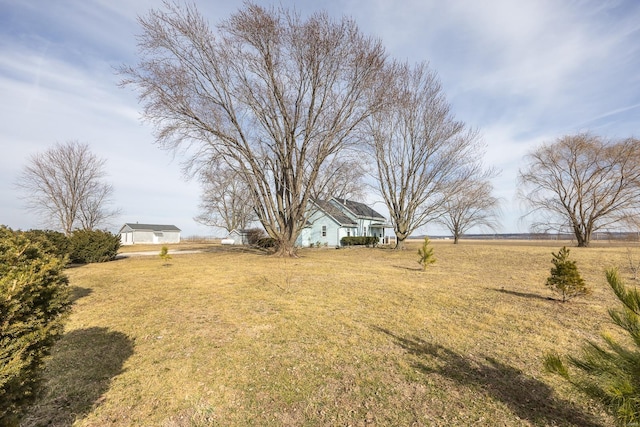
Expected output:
(150, 227)
(359, 209)
(335, 213)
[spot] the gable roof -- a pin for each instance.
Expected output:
(240, 231)
(359, 209)
(335, 213)
(150, 227)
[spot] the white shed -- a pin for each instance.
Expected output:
(149, 233)
(239, 236)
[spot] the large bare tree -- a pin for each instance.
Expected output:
(582, 183)
(422, 153)
(64, 186)
(225, 200)
(268, 94)
(473, 205)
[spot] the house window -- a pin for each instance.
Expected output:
(365, 231)
(348, 233)
(324, 231)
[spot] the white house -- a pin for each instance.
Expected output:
(333, 219)
(149, 233)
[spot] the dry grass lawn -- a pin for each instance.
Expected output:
(356, 337)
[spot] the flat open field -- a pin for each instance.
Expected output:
(355, 336)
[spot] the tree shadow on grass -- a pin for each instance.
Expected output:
(526, 397)
(418, 268)
(523, 294)
(238, 249)
(78, 373)
(78, 292)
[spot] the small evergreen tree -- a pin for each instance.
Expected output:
(565, 278)
(426, 254)
(164, 254)
(611, 373)
(34, 297)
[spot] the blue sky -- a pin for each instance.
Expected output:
(521, 72)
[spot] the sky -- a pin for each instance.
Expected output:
(520, 72)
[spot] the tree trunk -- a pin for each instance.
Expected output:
(285, 248)
(400, 244)
(587, 238)
(455, 239)
(583, 243)
(582, 238)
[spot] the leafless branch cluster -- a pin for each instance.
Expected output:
(342, 177)
(225, 200)
(582, 184)
(64, 185)
(473, 205)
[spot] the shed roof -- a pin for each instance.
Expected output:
(150, 227)
(240, 231)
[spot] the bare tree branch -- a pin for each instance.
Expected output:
(64, 186)
(473, 205)
(225, 200)
(342, 177)
(582, 184)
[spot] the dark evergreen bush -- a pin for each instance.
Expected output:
(34, 297)
(93, 246)
(359, 241)
(54, 242)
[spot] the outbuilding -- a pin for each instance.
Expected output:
(238, 236)
(149, 233)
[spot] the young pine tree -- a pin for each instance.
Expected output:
(611, 372)
(164, 254)
(426, 254)
(565, 278)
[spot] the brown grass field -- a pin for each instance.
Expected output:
(349, 337)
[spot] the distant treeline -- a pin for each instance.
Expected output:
(600, 235)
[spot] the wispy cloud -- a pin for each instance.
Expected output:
(521, 72)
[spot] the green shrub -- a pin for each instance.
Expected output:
(34, 297)
(565, 278)
(54, 242)
(93, 246)
(359, 241)
(426, 254)
(164, 254)
(611, 372)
